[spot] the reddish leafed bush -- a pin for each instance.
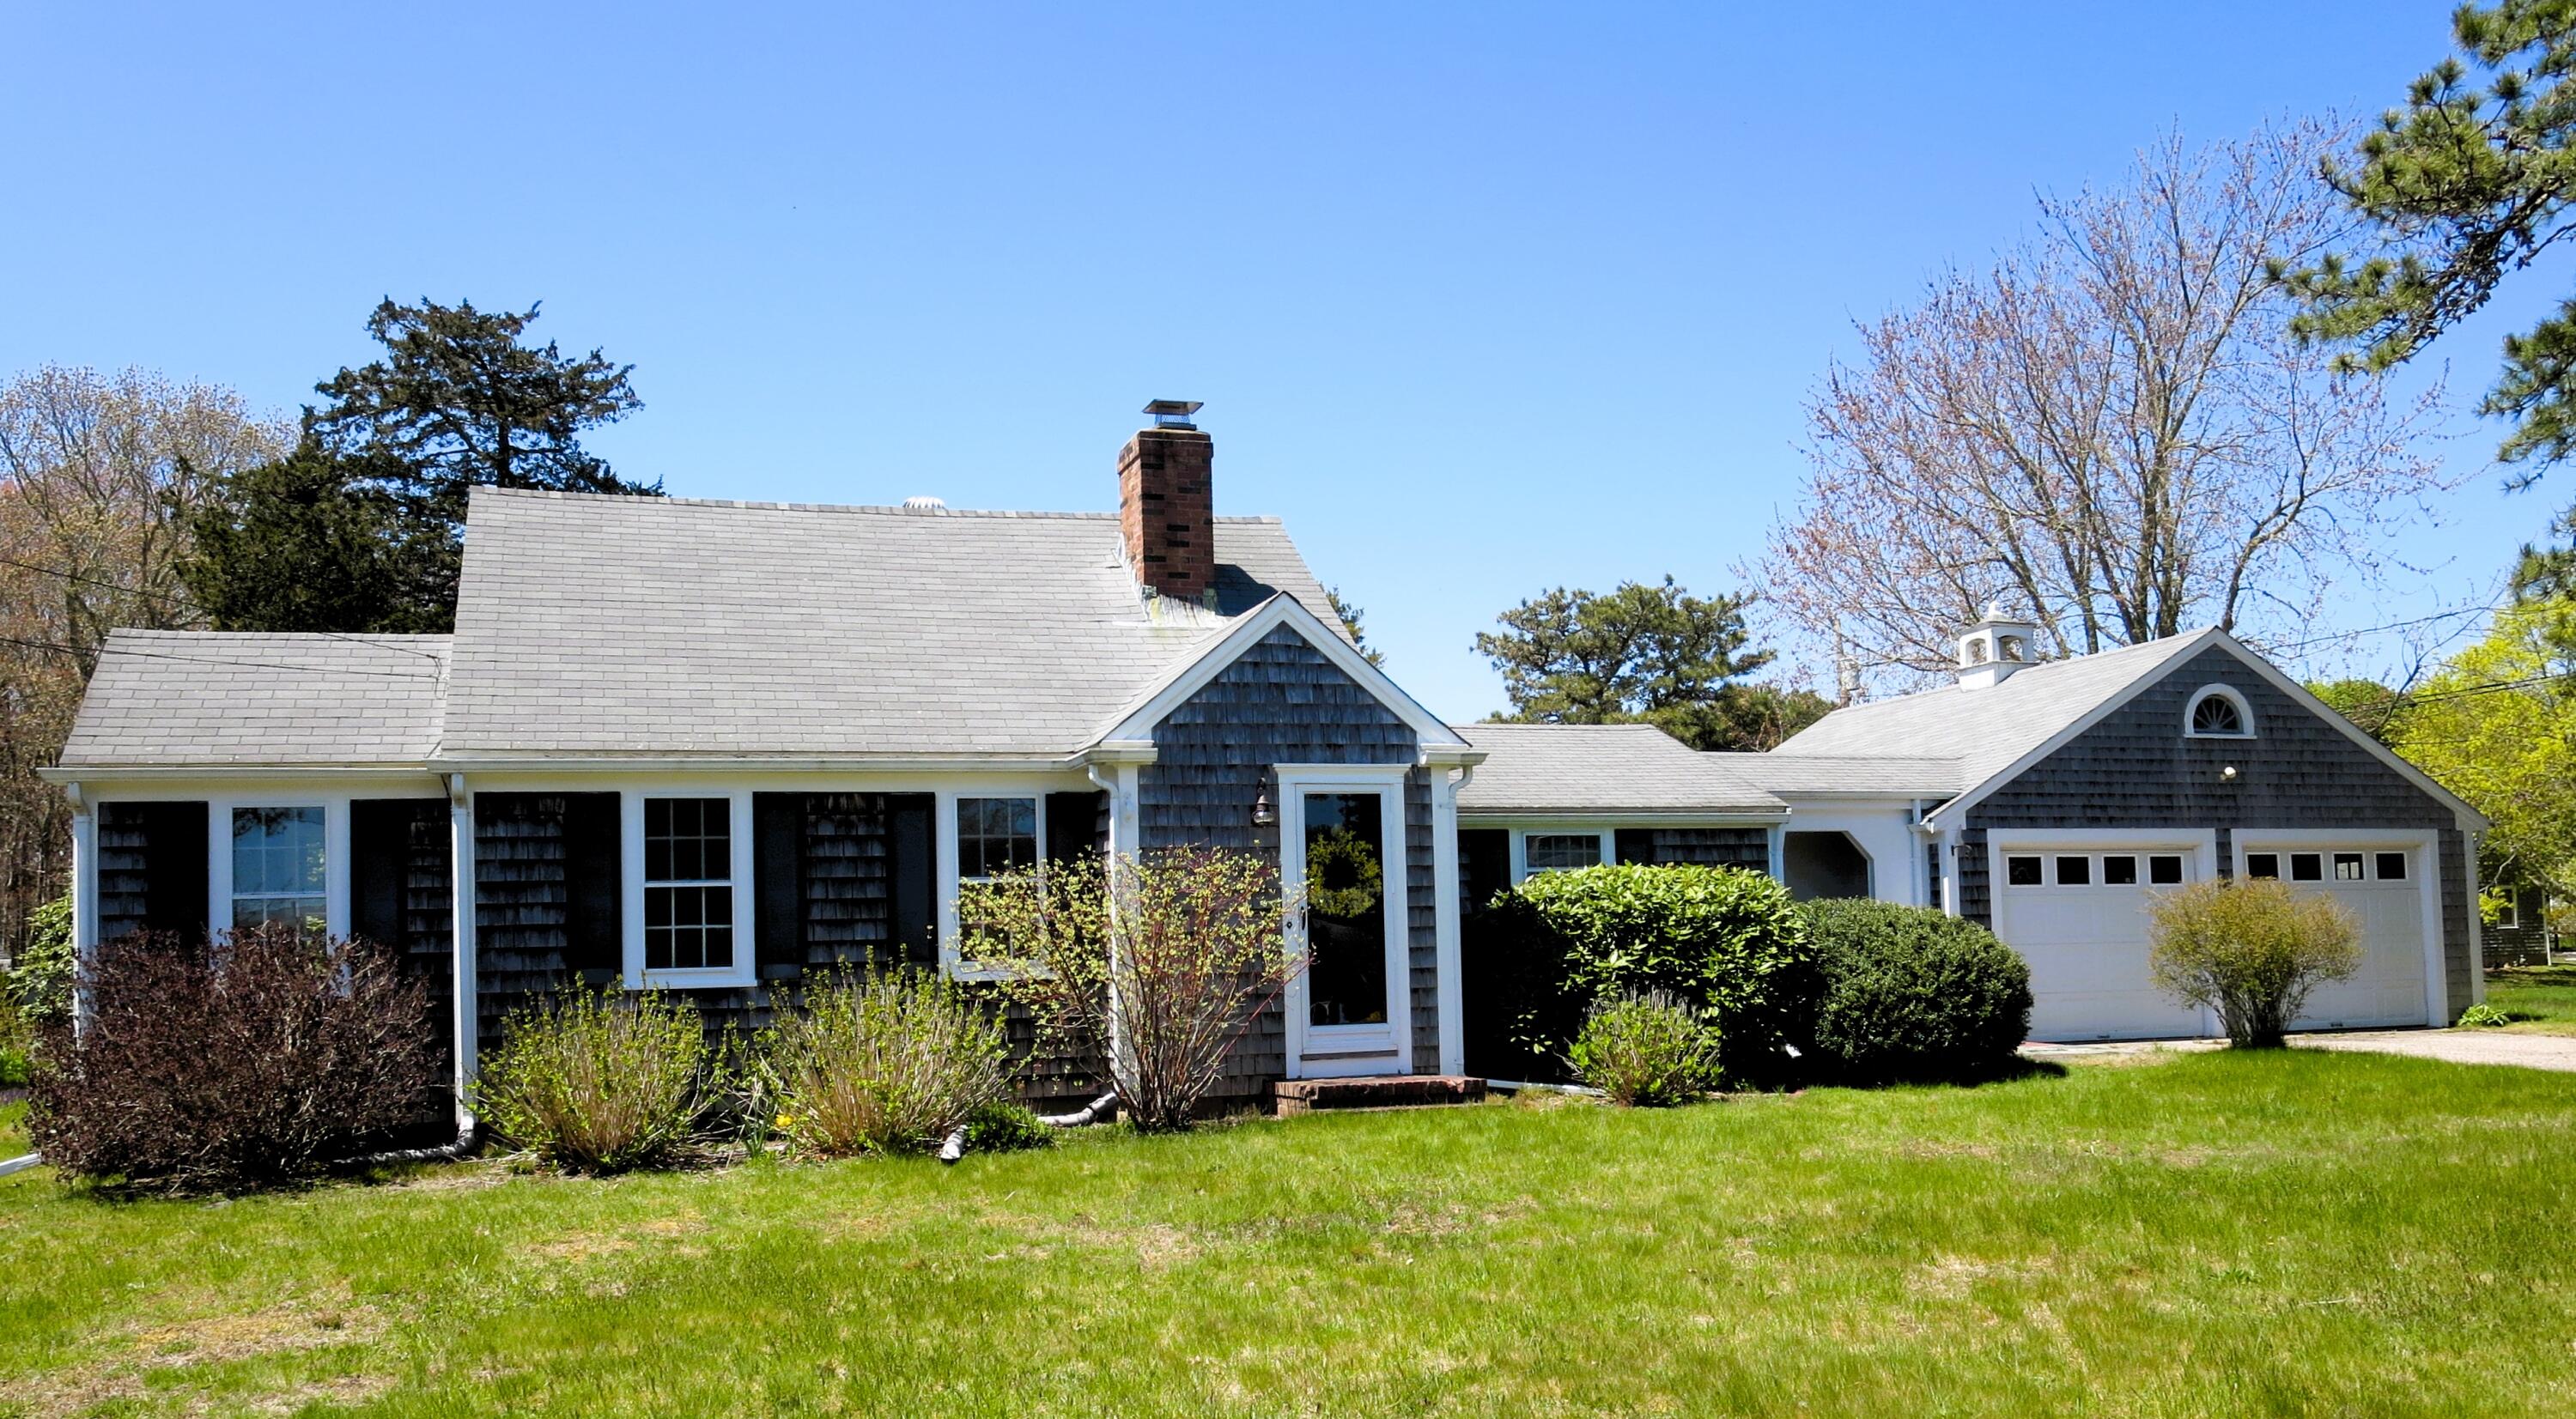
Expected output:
(250, 1061)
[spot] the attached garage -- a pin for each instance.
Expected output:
(2074, 904)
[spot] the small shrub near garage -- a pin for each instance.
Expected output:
(1646, 1051)
(1720, 937)
(2252, 951)
(888, 1062)
(253, 1060)
(2483, 1016)
(600, 1081)
(1912, 995)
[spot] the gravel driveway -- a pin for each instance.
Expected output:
(2457, 1046)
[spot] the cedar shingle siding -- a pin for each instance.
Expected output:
(1282, 702)
(2137, 769)
(1696, 847)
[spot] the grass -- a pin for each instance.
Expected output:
(2541, 999)
(13, 1131)
(2228, 1234)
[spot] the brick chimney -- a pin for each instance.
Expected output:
(1167, 502)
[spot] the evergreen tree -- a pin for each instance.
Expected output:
(2465, 185)
(1643, 654)
(362, 527)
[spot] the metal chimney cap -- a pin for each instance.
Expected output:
(1174, 413)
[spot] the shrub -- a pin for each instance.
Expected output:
(2250, 950)
(889, 1062)
(1199, 955)
(2483, 1016)
(40, 986)
(600, 1081)
(1646, 1050)
(253, 1060)
(1912, 995)
(1720, 937)
(1006, 1127)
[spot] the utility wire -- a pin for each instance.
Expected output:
(76, 651)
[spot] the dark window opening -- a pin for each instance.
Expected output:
(2263, 865)
(2307, 867)
(2074, 871)
(2217, 715)
(2347, 867)
(2392, 867)
(2164, 870)
(2119, 871)
(2021, 871)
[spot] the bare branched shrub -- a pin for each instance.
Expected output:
(1199, 952)
(247, 1062)
(600, 1081)
(889, 1062)
(2250, 950)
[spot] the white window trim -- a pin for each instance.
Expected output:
(2423, 873)
(745, 969)
(1362, 1049)
(219, 852)
(1520, 845)
(2509, 916)
(944, 835)
(2229, 693)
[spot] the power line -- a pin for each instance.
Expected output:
(76, 651)
(169, 600)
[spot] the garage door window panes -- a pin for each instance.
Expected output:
(2329, 866)
(2392, 867)
(2021, 871)
(2307, 867)
(2347, 867)
(2074, 872)
(2164, 869)
(2111, 869)
(2119, 870)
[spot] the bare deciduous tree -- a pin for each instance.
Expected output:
(2114, 429)
(94, 471)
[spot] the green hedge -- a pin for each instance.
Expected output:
(1720, 937)
(1911, 995)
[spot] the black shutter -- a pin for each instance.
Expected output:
(175, 868)
(381, 834)
(1634, 845)
(777, 881)
(594, 896)
(915, 869)
(1073, 825)
(1484, 864)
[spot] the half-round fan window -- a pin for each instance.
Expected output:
(2218, 713)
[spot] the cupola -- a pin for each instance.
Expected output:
(1996, 646)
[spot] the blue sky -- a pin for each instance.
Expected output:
(1483, 299)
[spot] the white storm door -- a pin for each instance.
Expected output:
(1341, 849)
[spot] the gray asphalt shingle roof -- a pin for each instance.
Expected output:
(1540, 769)
(1986, 731)
(609, 625)
(163, 698)
(1906, 775)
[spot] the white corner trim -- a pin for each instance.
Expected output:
(1446, 955)
(465, 1003)
(2229, 693)
(1283, 610)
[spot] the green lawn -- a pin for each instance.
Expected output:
(2192, 1234)
(2541, 999)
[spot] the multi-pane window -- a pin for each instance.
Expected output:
(1558, 852)
(2215, 715)
(2111, 869)
(2307, 867)
(2329, 866)
(277, 866)
(995, 835)
(688, 884)
(2347, 867)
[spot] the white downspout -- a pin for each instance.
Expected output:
(467, 985)
(1121, 787)
(84, 899)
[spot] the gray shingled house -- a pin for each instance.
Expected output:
(714, 745)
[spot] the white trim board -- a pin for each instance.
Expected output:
(1280, 610)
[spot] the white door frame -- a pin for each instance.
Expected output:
(2423, 847)
(1323, 1051)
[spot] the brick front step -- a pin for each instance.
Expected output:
(1383, 1091)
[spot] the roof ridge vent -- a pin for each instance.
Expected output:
(923, 502)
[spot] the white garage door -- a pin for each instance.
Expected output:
(2385, 888)
(2078, 915)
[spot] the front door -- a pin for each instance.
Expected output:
(1342, 847)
